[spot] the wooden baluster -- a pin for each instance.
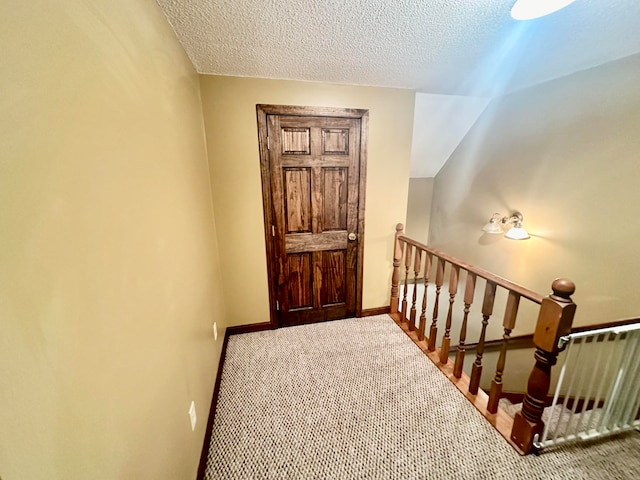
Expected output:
(395, 278)
(453, 290)
(416, 272)
(487, 311)
(433, 331)
(554, 321)
(469, 292)
(423, 315)
(407, 265)
(510, 314)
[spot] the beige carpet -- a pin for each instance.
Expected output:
(356, 399)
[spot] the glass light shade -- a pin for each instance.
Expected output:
(517, 233)
(492, 227)
(529, 9)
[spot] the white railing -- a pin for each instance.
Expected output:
(598, 390)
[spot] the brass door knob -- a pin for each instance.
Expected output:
(352, 236)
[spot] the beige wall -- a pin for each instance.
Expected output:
(229, 105)
(419, 208)
(108, 283)
(565, 153)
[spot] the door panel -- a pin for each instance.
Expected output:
(334, 199)
(335, 141)
(315, 179)
(334, 270)
(300, 280)
(296, 141)
(297, 198)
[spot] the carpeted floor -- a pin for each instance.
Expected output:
(356, 399)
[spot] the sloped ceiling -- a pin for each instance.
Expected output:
(438, 47)
(440, 123)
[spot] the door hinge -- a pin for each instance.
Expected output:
(268, 144)
(277, 305)
(273, 231)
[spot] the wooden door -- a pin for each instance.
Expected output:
(315, 183)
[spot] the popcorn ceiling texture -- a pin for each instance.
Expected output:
(434, 46)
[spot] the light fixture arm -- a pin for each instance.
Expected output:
(515, 218)
(498, 223)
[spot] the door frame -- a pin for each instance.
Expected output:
(267, 201)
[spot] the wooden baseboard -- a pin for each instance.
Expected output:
(235, 330)
(250, 328)
(202, 467)
(369, 312)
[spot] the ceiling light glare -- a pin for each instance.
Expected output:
(529, 9)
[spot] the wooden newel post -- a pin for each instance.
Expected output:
(554, 321)
(397, 259)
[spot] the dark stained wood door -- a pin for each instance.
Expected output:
(314, 170)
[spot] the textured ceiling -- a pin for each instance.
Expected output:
(454, 47)
(451, 51)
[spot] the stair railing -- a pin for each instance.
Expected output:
(421, 265)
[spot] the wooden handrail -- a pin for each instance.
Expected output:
(554, 319)
(502, 282)
(515, 343)
(526, 341)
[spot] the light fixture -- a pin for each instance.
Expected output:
(529, 9)
(497, 224)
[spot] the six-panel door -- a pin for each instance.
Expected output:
(314, 164)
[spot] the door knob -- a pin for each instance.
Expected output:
(352, 236)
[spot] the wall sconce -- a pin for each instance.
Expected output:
(498, 223)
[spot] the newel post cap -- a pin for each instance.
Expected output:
(563, 288)
(556, 316)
